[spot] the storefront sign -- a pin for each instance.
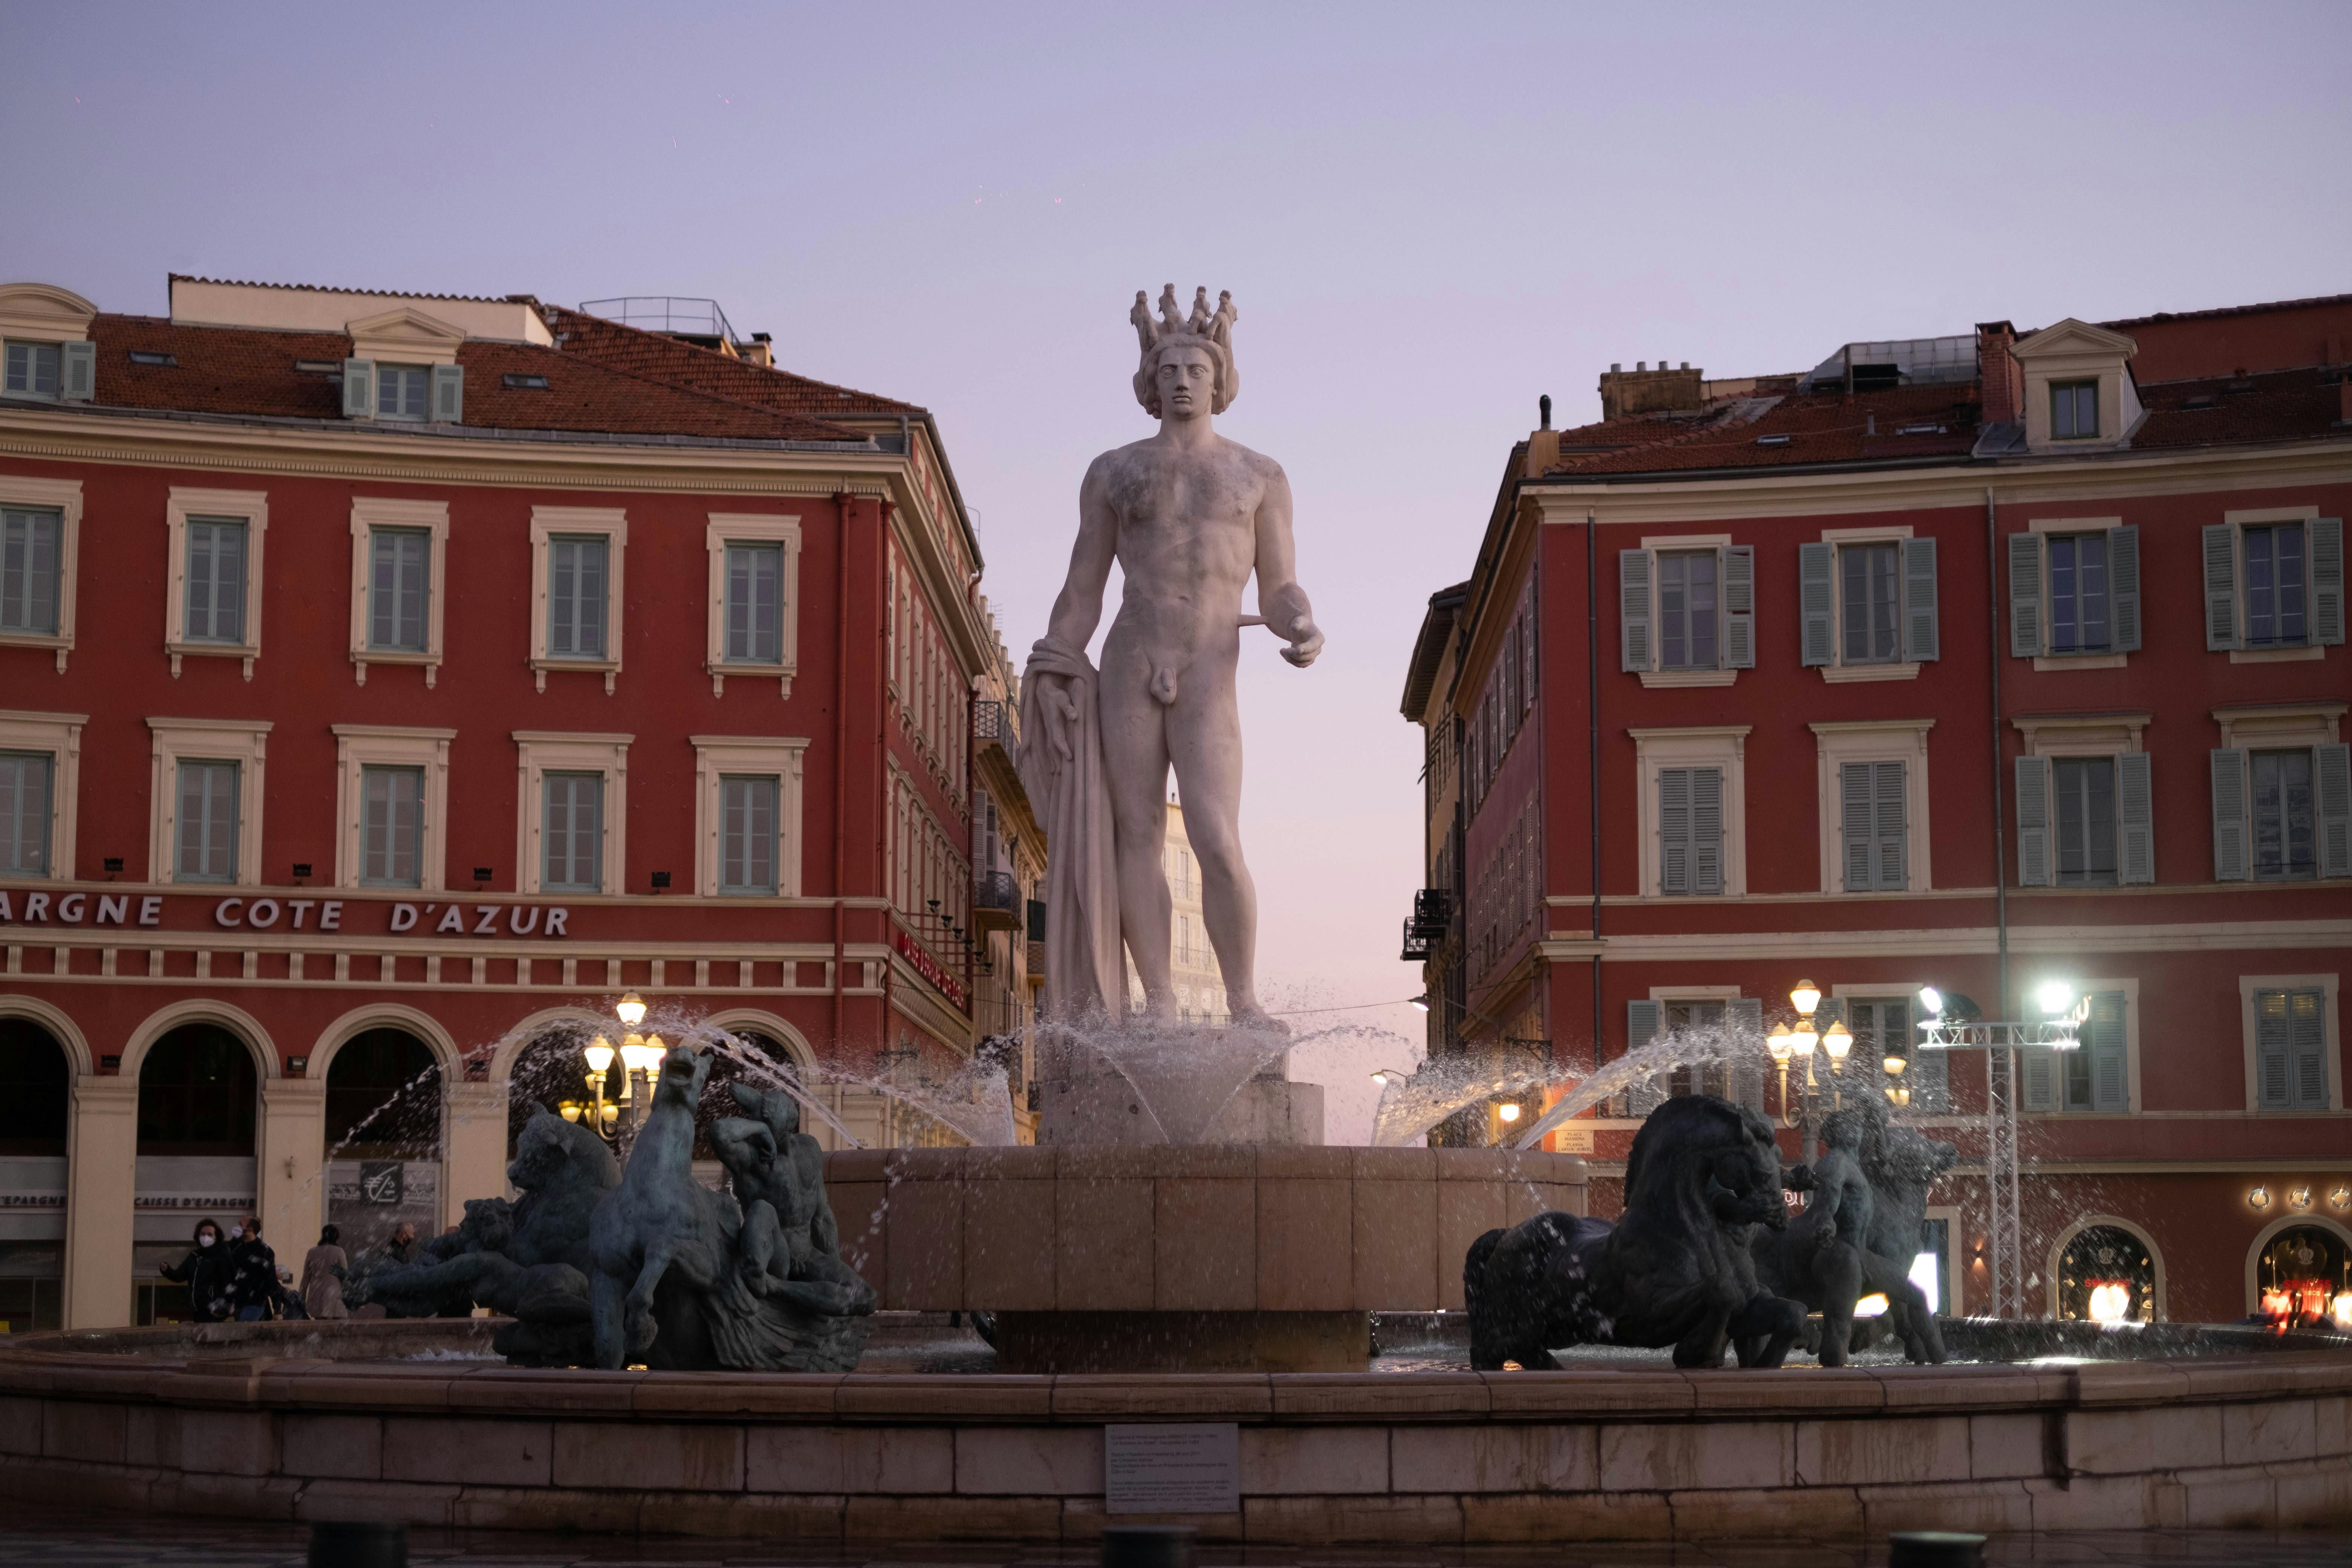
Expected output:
(924, 964)
(26, 908)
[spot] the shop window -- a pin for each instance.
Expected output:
(2106, 1274)
(2301, 1273)
(383, 1138)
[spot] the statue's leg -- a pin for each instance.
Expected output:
(605, 1307)
(1837, 1270)
(639, 1318)
(1775, 1321)
(1135, 766)
(1703, 1346)
(1204, 742)
(757, 1244)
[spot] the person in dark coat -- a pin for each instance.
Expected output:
(253, 1278)
(206, 1272)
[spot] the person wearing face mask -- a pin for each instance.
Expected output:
(253, 1278)
(206, 1272)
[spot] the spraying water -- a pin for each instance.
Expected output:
(1734, 1045)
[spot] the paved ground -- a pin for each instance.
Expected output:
(115, 1542)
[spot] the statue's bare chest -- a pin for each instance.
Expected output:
(1158, 489)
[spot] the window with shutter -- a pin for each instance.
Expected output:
(24, 812)
(448, 394)
(2038, 1073)
(215, 610)
(2135, 819)
(1636, 650)
(1674, 830)
(755, 577)
(34, 370)
(1871, 814)
(2221, 543)
(2025, 596)
(1922, 638)
(1873, 631)
(2104, 1056)
(78, 372)
(2231, 863)
(2123, 588)
(2332, 765)
(571, 832)
(399, 578)
(2078, 593)
(359, 389)
(2084, 791)
(1739, 606)
(401, 392)
(575, 597)
(1707, 830)
(206, 823)
(391, 827)
(2033, 847)
(28, 571)
(2277, 597)
(747, 835)
(1816, 604)
(2282, 816)
(2290, 1050)
(1687, 609)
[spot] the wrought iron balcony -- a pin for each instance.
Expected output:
(988, 722)
(1418, 944)
(996, 901)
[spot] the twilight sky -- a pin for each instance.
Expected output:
(1427, 215)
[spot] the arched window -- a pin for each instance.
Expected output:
(198, 1093)
(553, 1070)
(2301, 1272)
(384, 1097)
(2107, 1274)
(35, 1080)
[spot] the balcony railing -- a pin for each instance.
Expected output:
(988, 723)
(996, 901)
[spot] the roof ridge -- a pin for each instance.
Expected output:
(730, 361)
(2228, 311)
(325, 289)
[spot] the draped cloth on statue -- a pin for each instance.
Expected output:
(1061, 767)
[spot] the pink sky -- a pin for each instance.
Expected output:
(1427, 216)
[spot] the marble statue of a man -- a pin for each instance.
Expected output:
(1188, 516)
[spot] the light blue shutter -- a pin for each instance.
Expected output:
(2038, 1075)
(2123, 588)
(449, 393)
(24, 815)
(1920, 636)
(2273, 1059)
(1854, 826)
(1674, 830)
(2307, 1045)
(1816, 604)
(2326, 579)
(2102, 1037)
(1644, 1095)
(2221, 586)
(2331, 769)
(2231, 859)
(2135, 819)
(359, 389)
(78, 372)
(1739, 606)
(2025, 624)
(1707, 830)
(1637, 644)
(1746, 1016)
(1890, 838)
(2034, 859)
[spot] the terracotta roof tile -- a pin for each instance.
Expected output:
(250, 371)
(2278, 405)
(668, 360)
(1818, 428)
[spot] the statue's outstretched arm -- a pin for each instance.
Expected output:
(1280, 599)
(1078, 609)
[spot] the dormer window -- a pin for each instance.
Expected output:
(2074, 410)
(34, 370)
(400, 391)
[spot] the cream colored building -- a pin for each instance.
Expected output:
(1199, 985)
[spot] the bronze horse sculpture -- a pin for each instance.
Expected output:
(1675, 1269)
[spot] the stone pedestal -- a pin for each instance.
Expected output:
(1170, 1094)
(1062, 1342)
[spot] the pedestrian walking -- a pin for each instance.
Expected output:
(322, 1281)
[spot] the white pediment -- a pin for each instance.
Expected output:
(2073, 337)
(406, 336)
(43, 312)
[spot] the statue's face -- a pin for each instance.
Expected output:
(1187, 382)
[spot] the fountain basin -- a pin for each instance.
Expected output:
(1211, 1257)
(251, 1420)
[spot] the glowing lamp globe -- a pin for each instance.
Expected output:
(631, 1010)
(1805, 996)
(1838, 1041)
(599, 1053)
(1508, 1112)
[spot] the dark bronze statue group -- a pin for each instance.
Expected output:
(1705, 1256)
(601, 1266)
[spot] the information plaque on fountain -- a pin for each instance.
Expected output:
(1156, 1467)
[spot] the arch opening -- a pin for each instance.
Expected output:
(199, 1114)
(2301, 1273)
(2107, 1274)
(383, 1138)
(35, 1089)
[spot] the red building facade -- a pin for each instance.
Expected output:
(399, 680)
(1981, 663)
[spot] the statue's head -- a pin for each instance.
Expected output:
(1186, 368)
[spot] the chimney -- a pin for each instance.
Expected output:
(1543, 443)
(1999, 373)
(1643, 390)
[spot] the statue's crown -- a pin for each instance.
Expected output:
(1203, 328)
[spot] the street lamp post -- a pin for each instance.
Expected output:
(641, 1057)
(1786, 1043)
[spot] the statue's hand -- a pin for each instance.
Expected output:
(1306, 640)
